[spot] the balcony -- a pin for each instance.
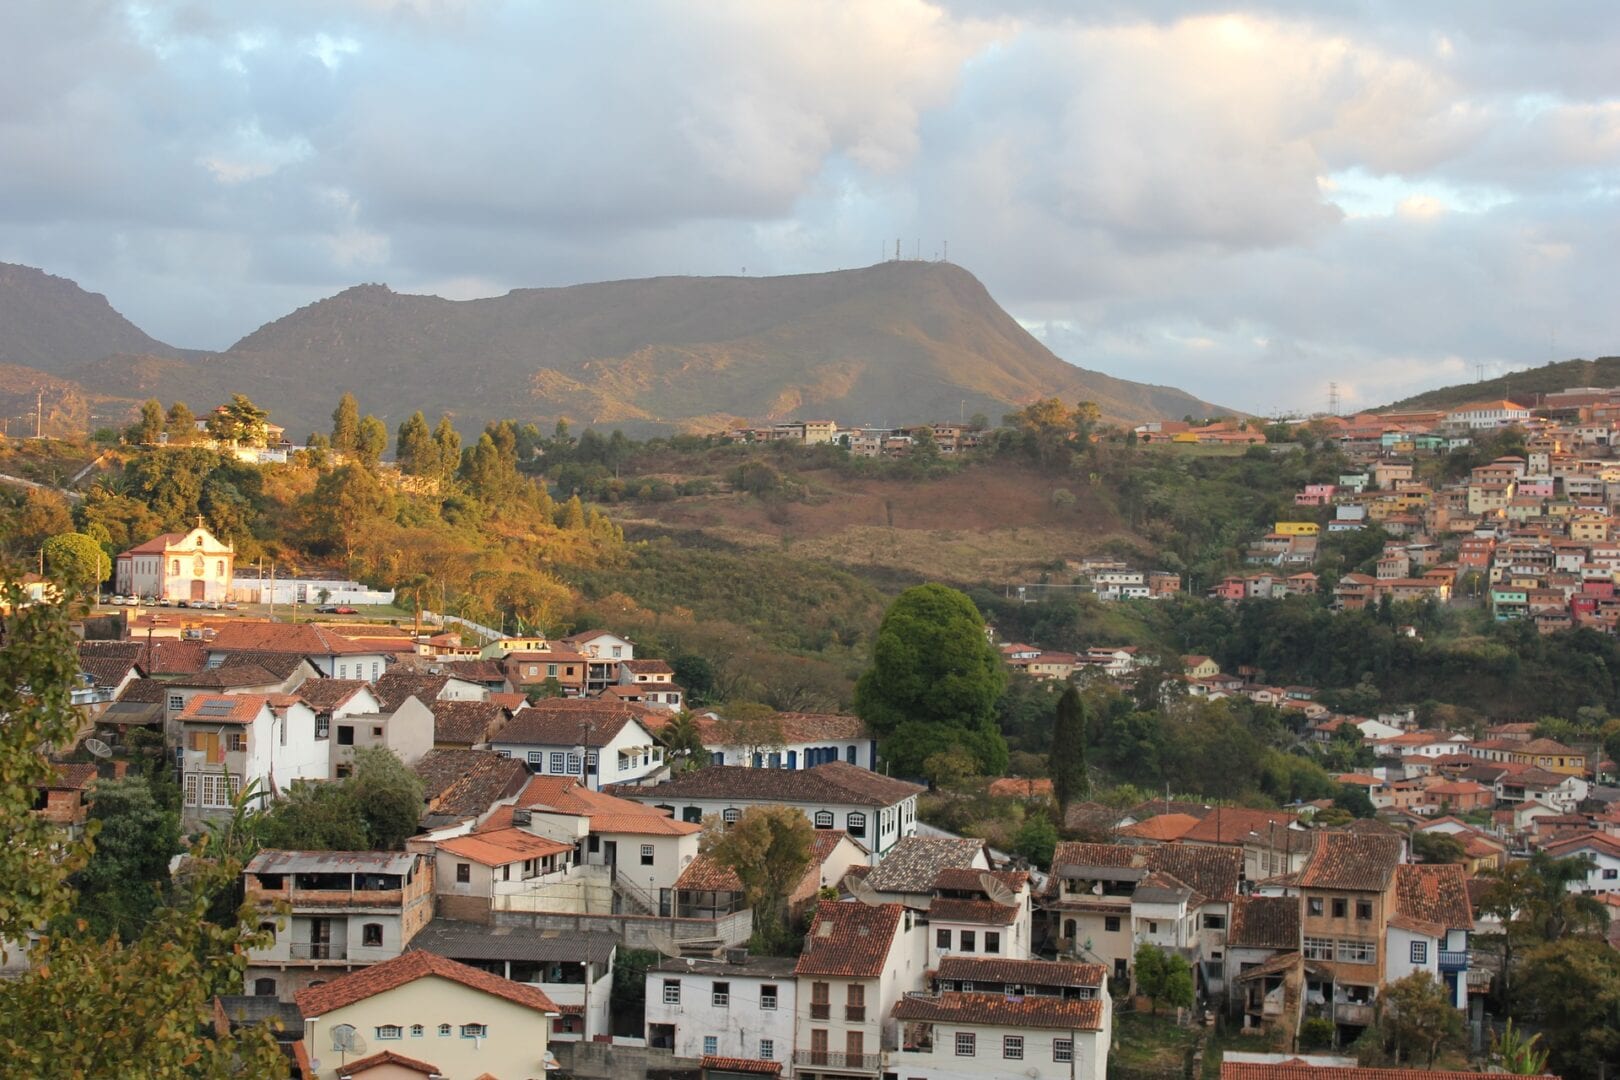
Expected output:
(1451, 960)
(1348, 1013)
(320, 950)
(299, 899)
(820, 1010)
(855, 1012)
(836, 1060)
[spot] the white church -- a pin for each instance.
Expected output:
(177, 566)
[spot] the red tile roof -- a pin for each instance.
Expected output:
(1074, 1014)
(1434, 896)
(1020, 788)
(849, 939)
(306, 639)
(984, 969)
(324, 695)
(986, 912)
(1163, 827)
(317, 1001)
(464, 722)
(224, 708)
(1264, 922)
(1362, 862)
(388, 1057)
(498, 847)
(1233, 824)
(571, 722)
(703, 874)
(752, 1066)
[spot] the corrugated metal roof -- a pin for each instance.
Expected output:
(331, 862)
(467, 941)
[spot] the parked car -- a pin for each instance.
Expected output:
(345, 609)
(231, 605)
(119, 598)
(212, 605)
(183, 603)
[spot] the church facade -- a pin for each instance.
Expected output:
(177, 566)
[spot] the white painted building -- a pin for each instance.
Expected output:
(808, 740)
(252, 588)
(975, 1036)
(186, 566)
(601, 742)
(1603, 850)
(1430, 926)
(228, 741)
(739, 1007)
(858, 962)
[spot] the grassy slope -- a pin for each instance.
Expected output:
(1604, 371)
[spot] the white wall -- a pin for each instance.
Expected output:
(738, 1026)
(988, 1063)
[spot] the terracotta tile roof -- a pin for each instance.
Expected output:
(1164, 827)
(825, 843)
(388, 1057)
(1264, 922)
(1434, 896)
(107, 670)
(464, 722)
(345, 990)
(752, 1066)
(1091, 817)
(145, 692)
(466, 783)
(985, 912)
(394, 686)
(71, 777)
(156, 546)
(306, 639)
(1298, 1069)
(501, 846)
(1597, 841)
(324, 695)
(913, 864)
(1073, 854)
(703, 874)
(511, 702)
(281, 665)
(647, 667)
(480, 671)
(979, 969)
(572, 722)
(1017, 787)
(1349, 861)
(163, 656)
(1212, 871)
(227, 677)
(1233, 824)
(567, 794)
(1547, 746)
(1075, 1014)
(835, 782)
(224, 708)
(850, 939)
(958, 879)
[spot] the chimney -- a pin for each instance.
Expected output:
(119, 768)
(521, 818)
(738, 955)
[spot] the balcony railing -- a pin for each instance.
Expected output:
(320, 950)
(820, 1010)
(1348, 1013)
(834, 1059)
(1453, 960)
(855, 1012)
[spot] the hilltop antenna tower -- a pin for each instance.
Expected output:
(897, 249)
(1333, 399)
(39, 411)
(947, 257)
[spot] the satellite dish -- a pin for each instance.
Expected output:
(348, 1040)
(664, 943)
(98, 748)
(860, 890)
(997, 890)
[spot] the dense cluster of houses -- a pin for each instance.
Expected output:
(948, 438)
(1535, 534)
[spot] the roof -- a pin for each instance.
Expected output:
(1212, 871)
(224, 708)
(965, 879)
(106, 669)
(1600, 842)
(1019, 787)
(1164, 827)
(1433, 895)
(388, 1057)
(465, 722)
(754, 1066)
(1264, 922)
(703, 874)
(497, 847)
(834, 782)
(465, 783)
(763, 967)
(306, 639)
(158, 545)
(1075, 1014)
(914, 863)
(571, 722)
(70, 777)
(229, 677)
(272, 861)
(317, 1001)
(647, 667)
(281, 665)
(145, 692)
(394, 686)
(607, 813)
(1233, 824)
(984, 969)
(985, 912)
(1297, 1069)
(324, 695)
(474, 941)
(850, 939)
(1353, 861)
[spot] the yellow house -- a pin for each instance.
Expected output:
(1550, 755)
(1298, 528)
(1200, 667)
(459, 1022)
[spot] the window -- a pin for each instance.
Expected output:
(820, 1007)
(992, 941)
(463, 872)
(1318, 948)
(323, 726)
(849, 755)
(264, 987)
(1214, 922)
(970, 941)
(767, 998)
(646, 854)
(374, 671)
(1420, 952)
(730, 815)
(1363, 909)
(590, 761)
(177, 702)
(536, 759)
(1110, 923)
(1062, 1049)
(711, 1045)
(1355, 951)
(343, 671)
(444, 1031)
(345, 734)
(1313, 905)
(236, 742)
(767, 1049)
(672, 991)
(720, 995)
(371, 934)
(824, 819)
(618, 651)
(1153, 927)
(191, 789)
(855, 1002)
(965, 1041)
(475, 1031)
(551, 670)
(558, 759)
(417, 1031)
(573, 764)
(388, 1031)
(1012, 1047)
(942, 939)
(855, 825)
(1341, 907)
(1610, 874)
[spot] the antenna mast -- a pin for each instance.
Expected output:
(1333, 399)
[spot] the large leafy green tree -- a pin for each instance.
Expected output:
(150, 426)
(238, 421)
(1068, 759)
(346, 424)
(180, 422)
(768, 848)
(933, 682)
(389, 796)
(1571, 990)
(1420, 1016)
(418, 454)
(371, 442)
(314, 817)
(77, 559)
(122, 885)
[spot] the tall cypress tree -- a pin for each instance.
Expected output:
(1068, 761)
(346, 424)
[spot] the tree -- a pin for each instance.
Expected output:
(149, 428)
(1036, 840)
(180, 423)
(1571, 990)
(684, 739)
(1068, 759)
(418, 454)
(933, 682)
(346, 503)
(1162, 977)
(1518, 1055)
(315, 817)
(122, 884)
(44, 514)
(346, 424)
(449, 443)
(768, 848)
(77, 560)
(573, 515)
(238, 421)
(1420, 1016)
(1438, 847)
(371, 441)
(389, 796)
(754, 727)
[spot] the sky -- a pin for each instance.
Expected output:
(1247, 200)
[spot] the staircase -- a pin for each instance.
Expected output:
(633, 900)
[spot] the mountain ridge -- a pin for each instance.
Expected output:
(1522, 385)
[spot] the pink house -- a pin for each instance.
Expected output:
(1315, 495)
(1231, 588)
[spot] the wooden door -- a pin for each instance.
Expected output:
(818, 1046)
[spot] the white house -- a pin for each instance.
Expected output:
(349, 717)
(329, 652)
(858, 961)
(602, 742)
(1430, 926)
(808, 740)
(874, 809)
(230, 740)
(739, 1007)
(965, 920)
(190, 566)
(1602, 849)
(981, 1036)
(1487, 414)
